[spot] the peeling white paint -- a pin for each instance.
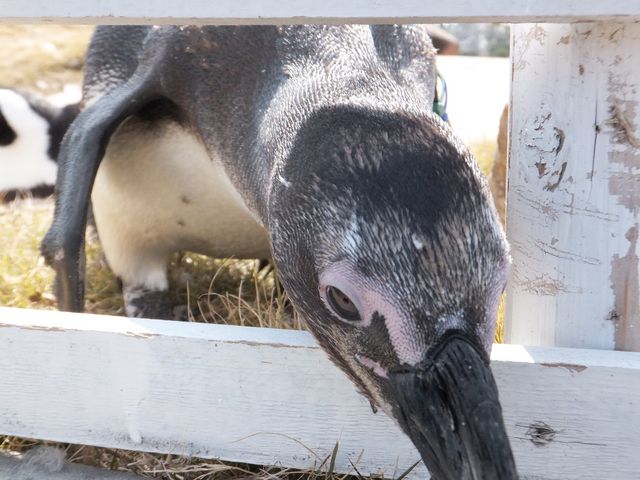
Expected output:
(573, 180)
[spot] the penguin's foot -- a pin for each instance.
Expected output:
(141, 302)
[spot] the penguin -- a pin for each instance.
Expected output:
(316, 147)
(31, 130)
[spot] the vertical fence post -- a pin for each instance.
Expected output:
(574, 186)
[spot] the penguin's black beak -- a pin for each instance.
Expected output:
(448, 405)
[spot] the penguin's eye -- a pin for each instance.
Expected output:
(342, 304)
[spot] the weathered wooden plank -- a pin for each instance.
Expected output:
(574, 186)
(312, 11)
(271, 397)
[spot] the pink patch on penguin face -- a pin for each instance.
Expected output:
(368, 299)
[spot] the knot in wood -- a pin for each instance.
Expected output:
(540, 433)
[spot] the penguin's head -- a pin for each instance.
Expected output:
(387, 241)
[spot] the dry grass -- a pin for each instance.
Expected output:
(45, 58)
(42, 57)
(24, 279)
(176, 467)
(217, 291)
(485, 152)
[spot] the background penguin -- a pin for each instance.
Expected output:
(317, 145)
(31, 130)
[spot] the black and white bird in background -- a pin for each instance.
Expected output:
(31, 130)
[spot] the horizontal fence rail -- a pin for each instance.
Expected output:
(313, 11)
(269, 397)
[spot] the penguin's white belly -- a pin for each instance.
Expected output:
(158, 191)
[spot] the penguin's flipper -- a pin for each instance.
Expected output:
(81, 152)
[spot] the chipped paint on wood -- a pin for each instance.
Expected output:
(625, 131)
(624, 181)
(625, 186)
(543, 285)
(574, 185)
(626, 290)
(573, 368)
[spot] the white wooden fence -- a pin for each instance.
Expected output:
(271, 397)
